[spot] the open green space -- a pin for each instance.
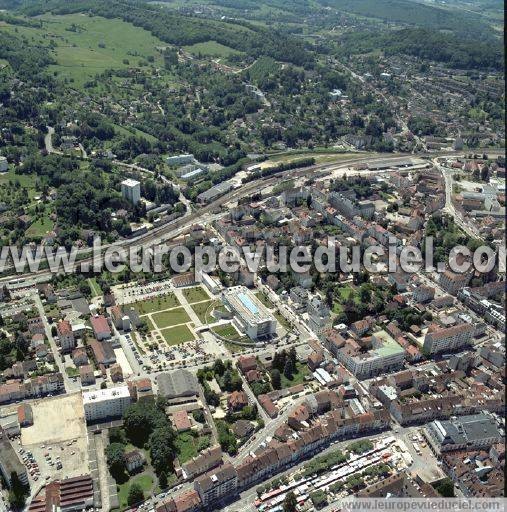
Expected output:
(282, 320)
(144, 480)
(71, 371)
(203, 310)
(87, 45)
(190, 445)
(177, 335)
(211, 49)
(156, 304)
(227, 331)
(40, 227)
(170, 318)
(25, 180)
(196, 294)
(264, 299)
(298, 376)
(94, 286)
(345, 293)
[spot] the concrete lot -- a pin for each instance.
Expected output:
(58, 434)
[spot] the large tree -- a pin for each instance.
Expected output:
(290, 502)
(135, 494)
(115, 455)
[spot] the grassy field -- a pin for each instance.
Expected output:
(71, 371)
(40, 227)
(170, 318)
(282, 320)
(145, 481)
(88, 45)
(346, 293)
(177, 335)
(25, 180)
(297, 378)
(189, 446)
(264, 299)
(156, 304)
(227, 331)
(211, 49)
(96, 290)
(133, 131)
(196, 294)
(201, 309)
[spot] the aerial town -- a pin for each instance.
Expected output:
(233, 391)
(252, 255)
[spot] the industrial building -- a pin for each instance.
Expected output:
(180, 159)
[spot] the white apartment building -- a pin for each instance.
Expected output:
(180, 159)
(386, 355)
(106, 403)
(448, 339)
(318, 315)
(131, 190)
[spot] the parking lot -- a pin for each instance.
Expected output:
(55, 445)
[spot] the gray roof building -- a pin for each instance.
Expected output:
(9, 461)
(214, 192)
(466, 432)
(176, 384)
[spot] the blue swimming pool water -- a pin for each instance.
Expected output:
(247, 302)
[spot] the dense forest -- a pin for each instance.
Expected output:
(412, 13)
(428, 44)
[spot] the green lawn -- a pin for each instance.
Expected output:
(85, 46)
(196, 294)
(71, 371)
(96, 290)
(156, 304)
(40, 227)
(177, 335)
(170, 318)
(227, 331)
(211, 49)
(297, 378)
(201, 309)
(282, 320)
(189, 446)
(264, 299)
(346, 293)
(145, 481)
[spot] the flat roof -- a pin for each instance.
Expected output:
(101, 395)
(246, 304)
(389, 345)
(129, 182)
(189, 174)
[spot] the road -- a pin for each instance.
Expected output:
(268, 431)
(69, 385)
(465, 225)
(247, 497)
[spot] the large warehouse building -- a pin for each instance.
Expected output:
(251, 316)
